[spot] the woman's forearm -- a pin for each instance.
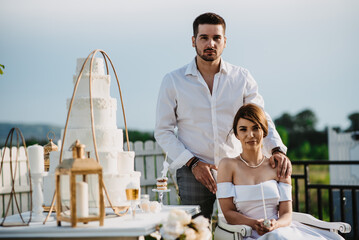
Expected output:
(236, 218)
(284, 220)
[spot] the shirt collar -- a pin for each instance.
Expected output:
(192, 68)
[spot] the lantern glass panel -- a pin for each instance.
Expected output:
(87, 195)
(93, 193)
(65, 195)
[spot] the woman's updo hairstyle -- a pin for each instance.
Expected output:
(252, 113)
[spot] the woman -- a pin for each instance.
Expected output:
(244, 181)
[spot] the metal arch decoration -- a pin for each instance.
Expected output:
(92, 56)
(13, 176)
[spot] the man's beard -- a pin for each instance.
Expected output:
(205, 57)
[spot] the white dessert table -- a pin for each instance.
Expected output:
(124, 228)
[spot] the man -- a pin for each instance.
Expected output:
(200, 100)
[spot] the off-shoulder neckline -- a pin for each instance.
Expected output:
(252, 185)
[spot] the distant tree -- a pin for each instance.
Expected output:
(283, 133)
(135, 135)
(299, 134)
(305, 149)
(286, 121)
(3, 67)
(305, 121)
(320, 152)
(354, 119)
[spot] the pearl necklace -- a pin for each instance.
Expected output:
(255, 166)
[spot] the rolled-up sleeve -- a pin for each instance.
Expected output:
(166, 122)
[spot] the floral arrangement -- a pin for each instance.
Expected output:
(180, 226)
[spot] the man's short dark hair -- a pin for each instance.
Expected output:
(208, 18)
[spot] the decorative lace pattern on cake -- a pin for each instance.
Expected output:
(99, 103)
(95, 77)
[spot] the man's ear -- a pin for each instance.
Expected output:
(225, 41)
(193, 41)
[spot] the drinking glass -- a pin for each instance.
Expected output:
(145, 203)
(132, 195)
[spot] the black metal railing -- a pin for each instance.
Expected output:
(342, 200)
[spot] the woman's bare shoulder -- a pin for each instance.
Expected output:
(225, 169)
(287, 180)
(226, 162)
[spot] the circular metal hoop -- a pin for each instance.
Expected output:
(13, 174)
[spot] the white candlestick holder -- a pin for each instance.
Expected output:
(37, 197)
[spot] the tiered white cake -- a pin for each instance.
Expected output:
(118, 165)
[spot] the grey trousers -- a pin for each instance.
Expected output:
(192, 192)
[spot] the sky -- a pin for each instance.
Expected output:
(303, 54)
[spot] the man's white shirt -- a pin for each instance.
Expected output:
(190, 121)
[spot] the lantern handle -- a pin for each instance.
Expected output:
(53, 134)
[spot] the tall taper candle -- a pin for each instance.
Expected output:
(264, 204)
(82, 199)
(36, 158)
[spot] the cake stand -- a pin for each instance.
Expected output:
(161, 194)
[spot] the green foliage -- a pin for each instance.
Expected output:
(286, 121)
(305, 121)
(354, 119)
(299, 134)
(3, 67)
(304, 149)
(135, 135)
(283, 134)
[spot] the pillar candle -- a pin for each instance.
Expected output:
(36, 158)
(82, 203)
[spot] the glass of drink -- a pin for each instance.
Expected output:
(132, 195)
(145, 203)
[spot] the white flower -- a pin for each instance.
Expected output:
(156, 235)
(190, 234)
(172, 230)
(205, 234)
(201, 223)
(180, 223)
(179, 216)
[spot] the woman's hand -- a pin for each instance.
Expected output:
(274, 225)
(259, 227)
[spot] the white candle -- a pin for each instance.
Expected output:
(36, 158)
(82, 203)
(165, 167)
(264, 204)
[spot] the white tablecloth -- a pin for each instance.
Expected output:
(144, 224)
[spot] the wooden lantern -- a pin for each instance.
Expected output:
(77, 170)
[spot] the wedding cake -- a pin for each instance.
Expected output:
(118, 165)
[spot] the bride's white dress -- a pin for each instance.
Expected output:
(248, 201)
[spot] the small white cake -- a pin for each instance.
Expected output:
(161, 183)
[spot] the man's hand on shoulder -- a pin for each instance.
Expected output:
(284, 168)
(202, 173)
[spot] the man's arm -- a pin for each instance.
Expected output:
(166, 122)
